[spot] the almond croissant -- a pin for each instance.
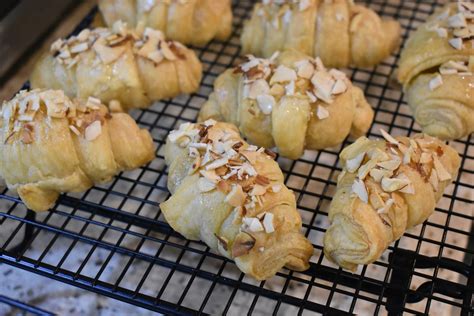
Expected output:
(340, 32)
(436, 69)
(120, 65)
(291, 101)
(386, 187)
(188, 21)
(231, 195)
(50, 144)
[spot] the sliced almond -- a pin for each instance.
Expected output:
(376, 200)
(393, 184)
(258, 190)
(268, 223)
(311, 96)
(456, 43)
(365, 169)
(93, 131)
(390, 164)
(441, 171)
(79, 48)
(389, 138)
(456, 21)
(206, 185)
(358, 187)
(435, 82)
(283, 74)
(442, 32)
(339, 87)
(305, 69)
(74, 130)
(353, 164)
(322, 113)
(433, 179)
(217, 163)
(379, 174)
(276, 188)
(252, 224)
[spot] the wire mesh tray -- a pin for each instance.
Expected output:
(113, 239)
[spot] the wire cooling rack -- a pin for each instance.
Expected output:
(113, 239)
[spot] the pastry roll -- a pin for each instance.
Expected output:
(50, 144)
(386, 187)
(119, 64)
(231, 196)
(436, 69)
(290, 101)
(340, 32)
(193, 22)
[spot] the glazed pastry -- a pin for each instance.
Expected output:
(436, 69)
(193, 22)
(119, 65)
(290, 101)
(231, 196)
(340, 32)
(386, 187)
(50, 144)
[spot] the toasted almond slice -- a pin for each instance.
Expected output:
(365, 169)
(276, 188)
(425, 158)
(93, 131)
(79, 48)
(74, 130)
(386, 207)
(442, 32)
(456, 43)
(305, 68)
(376, 200)
(389, 137)
(433, 179)
(441, 171)
(155, 56)
(353, 164)
(217, 163)
(358, 187)
(394, 184)
(435, 82)
(206, 185)
(311, 96)
(84, 35)
(337, 74)
(283, 74)
(115, 106)
(252, 224)
(258, 190)
(322, 113)
(379, 174)
(457, 21)
(390, 164)
(339, 87)
(268, 223)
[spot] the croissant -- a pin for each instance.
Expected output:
(50, 144)
(386, 187)
(119, 65)
(340, 32)
(193, 22)
(231, 196)
(436, 69)
(291, 101)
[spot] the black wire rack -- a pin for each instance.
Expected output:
(113, 239)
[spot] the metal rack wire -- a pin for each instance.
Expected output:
(113, 239)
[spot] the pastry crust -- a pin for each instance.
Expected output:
(194, 22)
(232, 196)
(50, 144)
(340, 32)
(291, 101)
(437, 75)
(119, 64)
(386, 187)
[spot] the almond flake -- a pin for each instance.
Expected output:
(379, 174)
(339, 87)
(337, 74)
(115, 106)
(268, 223)
(167, 53)
(206, 185)
(456, 43)
(442, 32)
(353, 164)
(386, 207)
(311, 96)
(323, 83)
(390, 164)
(441, 171)
(258, 87)
(305, 69)
(258, 190)
(433, 179)
(394, 184)
(457, 20)
(435, 82)
(322, 113)
(217, 163)
(93, 131)
(276, 188)
(283, 74)
(252, 224)
(79, 48)
(388, 137)
(75, 130)
(364, 170)
(358, 187)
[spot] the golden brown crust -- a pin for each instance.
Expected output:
(51, 144)
(291, 101)
(193, 22)
(119, 65)
(338, 31)
(386, 187)
(231, 196)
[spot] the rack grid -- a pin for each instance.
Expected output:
(113, 239)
